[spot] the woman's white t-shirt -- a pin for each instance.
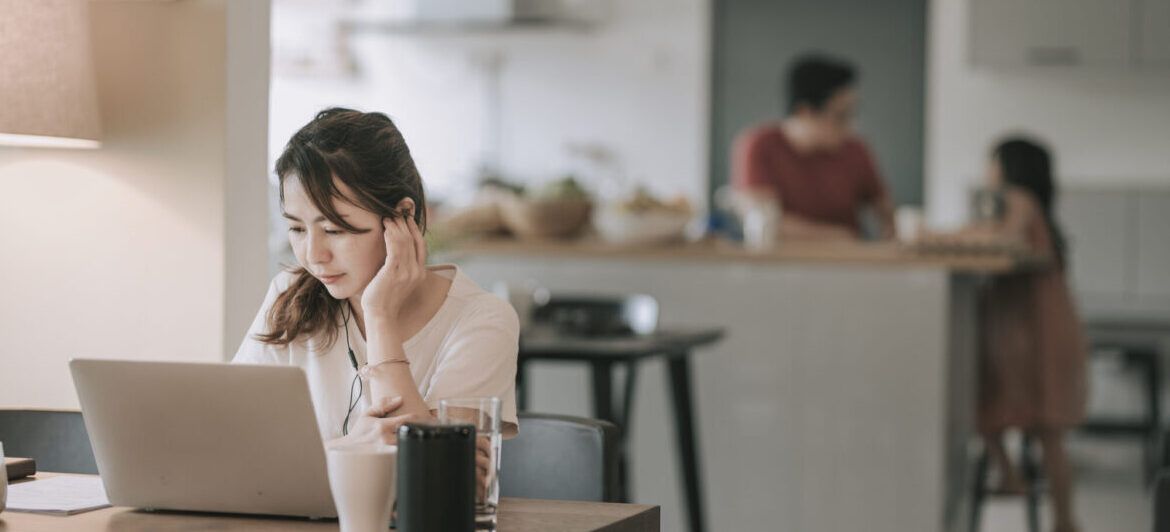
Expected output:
(468, 349)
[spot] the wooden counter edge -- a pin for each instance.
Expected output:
(874, 253)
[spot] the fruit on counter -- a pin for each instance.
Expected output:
(643, 219)
(498, 183)
(566, 188)
(643, 201)
(545, 217)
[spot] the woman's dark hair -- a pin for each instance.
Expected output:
(367, 153)
(813, 79)
(1026, 164)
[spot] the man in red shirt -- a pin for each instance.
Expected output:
(811, 162)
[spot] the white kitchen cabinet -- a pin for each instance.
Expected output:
(1120, 248)
(1051, 33)
(1098, 226)
(1153, 249)
(1110, 34)
(1154, 33)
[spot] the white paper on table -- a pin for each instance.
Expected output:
(63, 495)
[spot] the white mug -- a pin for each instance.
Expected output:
(761, 225)
(363, 479)
(3, 480)
(908, 223)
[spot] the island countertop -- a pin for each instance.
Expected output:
(847, 368)
(894, 254)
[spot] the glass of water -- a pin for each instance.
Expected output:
(484, 413)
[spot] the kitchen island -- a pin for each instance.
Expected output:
(841, 399)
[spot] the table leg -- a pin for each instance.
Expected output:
(603, 402)
(627, 415)
(628, 396)
(680, 387)
(1154, 420)
(603, 391)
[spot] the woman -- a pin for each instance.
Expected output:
(381, 336)
(1033, 366)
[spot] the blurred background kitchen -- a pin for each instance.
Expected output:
(576, 147)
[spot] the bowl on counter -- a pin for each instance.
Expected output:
(619, 225)
(544, 218)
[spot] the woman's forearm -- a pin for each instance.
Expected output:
(392, 379)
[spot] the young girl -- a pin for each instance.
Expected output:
(381, 336)
(1033, 366)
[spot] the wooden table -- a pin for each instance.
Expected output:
(602, 353)
(516, 515)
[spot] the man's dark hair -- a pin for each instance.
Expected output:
(813, 79)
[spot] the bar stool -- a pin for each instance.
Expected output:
(1161, 498)
(605, 332)
(592, 317)
(1144, 358)
(1032, 482)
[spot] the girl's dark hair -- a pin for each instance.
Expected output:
(367, 153)
(1026, 164)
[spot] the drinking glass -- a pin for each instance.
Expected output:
(484, 413)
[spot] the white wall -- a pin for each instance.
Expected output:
(122, 252)
(636, 84)
(246, 165)
(1107, 126)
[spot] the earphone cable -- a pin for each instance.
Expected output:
(353, 360)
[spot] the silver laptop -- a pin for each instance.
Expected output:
(204, 437)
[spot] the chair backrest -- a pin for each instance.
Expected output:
(599, 315)
(561, 457)
(57, 440)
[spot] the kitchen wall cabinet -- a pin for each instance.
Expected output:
(1119, 238)
(1153, 247)
(1154, 39)
(1121, 34)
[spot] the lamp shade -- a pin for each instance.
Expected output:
(48, 96)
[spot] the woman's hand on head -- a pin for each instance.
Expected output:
(404, 269)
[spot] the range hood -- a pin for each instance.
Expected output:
(472, 11)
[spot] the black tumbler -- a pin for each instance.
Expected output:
(436, 478)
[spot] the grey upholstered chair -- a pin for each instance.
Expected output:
(561, 457)
(57, 440)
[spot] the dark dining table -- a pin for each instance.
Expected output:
(602, 353)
